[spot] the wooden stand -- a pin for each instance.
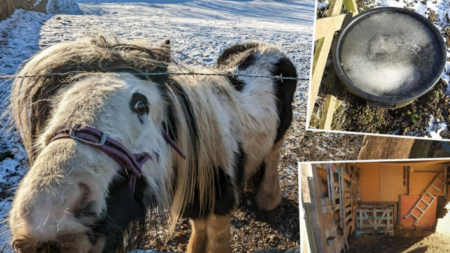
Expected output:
(324, 32)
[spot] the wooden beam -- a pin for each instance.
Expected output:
(319, 62)
(305, 172)
(324, 32)
(341, 201)
(330, 102)
(351, 6)
(315, 211)
(334, 8)
(328, 26)
(305, 226)
(407, 163)
(445, 180)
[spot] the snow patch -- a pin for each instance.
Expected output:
(36, 3)
(322, 5)
(435, 128)
(62, 6)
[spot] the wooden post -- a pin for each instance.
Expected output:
(445, 180)
(324, 32)
(330, 103)
(305, 172)
(315, 211)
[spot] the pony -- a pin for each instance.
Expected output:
(196, 141)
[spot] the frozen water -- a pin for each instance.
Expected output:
(390, 54)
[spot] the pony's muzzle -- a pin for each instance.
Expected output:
(78, 243)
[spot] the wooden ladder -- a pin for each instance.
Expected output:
(427, 204)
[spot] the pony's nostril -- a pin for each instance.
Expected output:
(85, 194)
(87, 215)
(48, 247)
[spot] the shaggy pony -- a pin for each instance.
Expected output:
(77, 199)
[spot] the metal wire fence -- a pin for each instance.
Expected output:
(277, 77)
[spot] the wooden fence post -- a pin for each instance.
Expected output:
(324, 32)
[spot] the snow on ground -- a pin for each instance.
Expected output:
(200, 29)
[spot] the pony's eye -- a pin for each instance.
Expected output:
(140, 107)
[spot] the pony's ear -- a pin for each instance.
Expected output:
(165, 46)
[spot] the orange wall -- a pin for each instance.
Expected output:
(391, 183)
(380, 183)
(369, 182)
(419, 181)
(384, 183)
(406, 204)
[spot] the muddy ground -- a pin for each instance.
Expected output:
(405, 239)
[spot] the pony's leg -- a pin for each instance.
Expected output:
(198, 239)
(269, 193)
(218, 231)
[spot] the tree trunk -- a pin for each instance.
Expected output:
(377, 147)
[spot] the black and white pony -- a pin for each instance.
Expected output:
(109, 144)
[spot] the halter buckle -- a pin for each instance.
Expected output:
(75, 129)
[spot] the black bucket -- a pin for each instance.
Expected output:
(389, 56)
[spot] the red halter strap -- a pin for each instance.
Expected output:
(132, 163)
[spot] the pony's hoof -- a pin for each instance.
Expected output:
(267, 200)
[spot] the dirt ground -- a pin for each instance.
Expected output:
(405, 239)
(354, 115)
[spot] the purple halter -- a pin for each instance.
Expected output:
(132, 163)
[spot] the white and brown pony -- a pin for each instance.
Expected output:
(77, 197)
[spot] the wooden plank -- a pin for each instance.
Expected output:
(334, 8)
(315, 211)
(329, 106)
(328, 26)
(346, 176)
(319, 62)
(347, 219)
(371, 226)
(305, 170)
(350, 6)
(305, 225)
(348, 230)
(445, 180)
(331, 185)
(341, 188)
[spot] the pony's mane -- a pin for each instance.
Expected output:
(31, 97)
(189, 118)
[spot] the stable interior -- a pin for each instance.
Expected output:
(364, 207)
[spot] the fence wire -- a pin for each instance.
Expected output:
(277, 77)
